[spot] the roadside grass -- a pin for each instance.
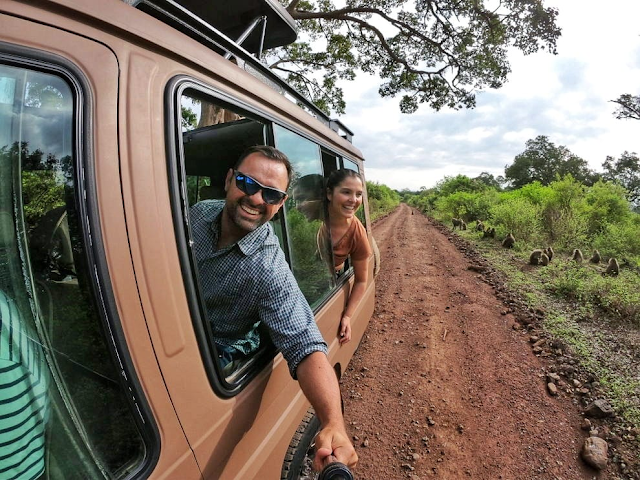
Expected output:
(597, 317)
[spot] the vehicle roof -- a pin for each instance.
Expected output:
(232, 18)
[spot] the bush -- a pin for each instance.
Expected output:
(519, 216)
(563, 224)
(605, 204)
(382, 199)
(619, 239)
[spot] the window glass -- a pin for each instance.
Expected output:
(305, 215)
(349, 165)
(64, 413)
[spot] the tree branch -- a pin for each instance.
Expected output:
(345, 14)
(627, 108)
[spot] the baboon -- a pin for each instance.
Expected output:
(612, 268)
(457, 222)
(508, 241)
(595, 257)
(549, 252)
(538, 257)
(534, 258)
(577, 255)
(489, 233)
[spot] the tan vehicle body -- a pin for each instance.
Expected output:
(128, 58)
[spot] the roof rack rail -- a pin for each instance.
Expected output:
(214, 23)
(337, 126)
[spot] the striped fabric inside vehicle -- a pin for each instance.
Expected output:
(23, 396)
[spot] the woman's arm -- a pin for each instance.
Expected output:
(361, 271)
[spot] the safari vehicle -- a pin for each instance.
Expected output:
(115, 118)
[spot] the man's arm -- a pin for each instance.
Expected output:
(320, 385)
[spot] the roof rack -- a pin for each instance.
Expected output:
(256, 25)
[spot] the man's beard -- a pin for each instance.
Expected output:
(240, 219)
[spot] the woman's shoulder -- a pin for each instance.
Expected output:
(358, 227)
(360, 238)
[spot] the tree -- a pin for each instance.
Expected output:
(460, 183)
(189, 118)
(626, 172)
(489, 180)
(428, 51)
(542, 161)
(628, 106)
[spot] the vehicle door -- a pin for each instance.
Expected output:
(88, 399)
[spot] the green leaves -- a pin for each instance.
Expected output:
(542, 161)
(625, 171)
(381, 199)
(425, 51)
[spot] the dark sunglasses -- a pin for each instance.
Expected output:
(251, 186)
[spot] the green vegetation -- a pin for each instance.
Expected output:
(382, 199)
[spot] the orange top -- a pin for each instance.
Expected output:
(354, 242)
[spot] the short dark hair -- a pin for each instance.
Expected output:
(338, 176)
(271, 153)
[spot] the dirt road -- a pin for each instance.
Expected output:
(443, 385)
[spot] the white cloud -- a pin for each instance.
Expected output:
(566, 97)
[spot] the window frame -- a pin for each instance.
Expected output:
(174, 91)
(86, 203)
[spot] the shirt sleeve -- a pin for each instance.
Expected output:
(288, 317)
(361, 249)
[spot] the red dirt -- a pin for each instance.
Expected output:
(445, 383)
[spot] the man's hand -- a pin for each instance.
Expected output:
(320, 385)
(334, 441)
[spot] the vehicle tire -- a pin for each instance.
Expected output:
(299, 457)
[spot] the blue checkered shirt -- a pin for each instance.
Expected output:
(250, 282)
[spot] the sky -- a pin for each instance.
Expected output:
(566, 97)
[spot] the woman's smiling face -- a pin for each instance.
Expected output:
(346, 197)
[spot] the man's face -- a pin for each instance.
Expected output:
(246, 213)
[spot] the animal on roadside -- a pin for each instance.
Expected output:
(538, 257)
(613, 268)
(457, 222)
(508, 241)
(549, 252)
(595, 258)
(577, 255)
(534, 257)
(479, 226)
(489, 233)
